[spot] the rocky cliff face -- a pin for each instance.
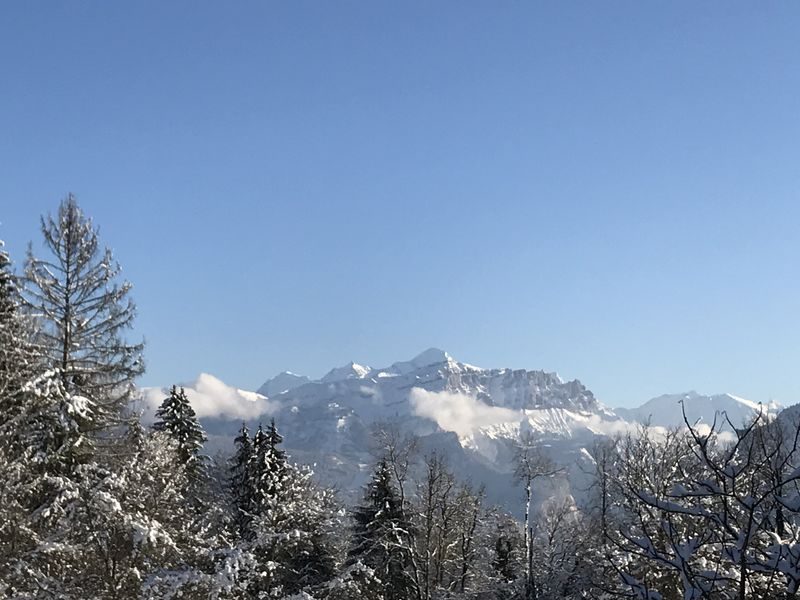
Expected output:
(473, 415)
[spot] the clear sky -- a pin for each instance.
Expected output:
(604, 189)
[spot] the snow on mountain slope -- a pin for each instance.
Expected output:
(431, 356)
(473, 415)
(282, 382)
(665, 411)
(349, 371)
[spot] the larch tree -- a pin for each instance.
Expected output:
(83, 312)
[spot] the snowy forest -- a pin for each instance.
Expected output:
(94, 504)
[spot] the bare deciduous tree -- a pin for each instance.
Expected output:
(399, 449)
(531, 463)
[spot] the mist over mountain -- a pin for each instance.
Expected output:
(473, 415)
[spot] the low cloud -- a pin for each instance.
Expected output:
(213, 398)
(621, 427)
(460, 413)
(613, 427)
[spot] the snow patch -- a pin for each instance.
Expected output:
(349, 371)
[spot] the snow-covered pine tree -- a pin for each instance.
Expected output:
(83, 313)
(288, 535)
(239, 485)
(15, 355)
(383, 537)
(177, 418)
(294, 536)
(43, 457)
(501, 562)
(275, 439)
(267, 469)
(9, 341)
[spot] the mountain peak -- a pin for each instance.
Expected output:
(281, 383)
(351, 370)
(668, 411)
(431, 356)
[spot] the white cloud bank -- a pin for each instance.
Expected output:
(463, 414)
(211, 397)
(460, 413)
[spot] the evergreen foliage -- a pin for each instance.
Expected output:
(268, 469)
(383, 537)
(682, 514)
(177, 418)
(239, 484)
(17, 359)
(285, 521)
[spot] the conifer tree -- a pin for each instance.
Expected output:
(8, 302)
(16, 354)
(383, 538)
(501, 562)
(177, 417)
(83, 313)
(274, 439)
(43, 457)
(288, 520)
(268, 468)
(239, 484)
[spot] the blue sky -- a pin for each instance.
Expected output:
(609, 190)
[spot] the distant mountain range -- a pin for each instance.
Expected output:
(471, 414)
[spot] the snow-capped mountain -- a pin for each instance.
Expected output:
(473, 415)
(668, 410)
(282, 382)
(349, 371)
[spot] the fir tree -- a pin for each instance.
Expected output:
(83, 312)
(274, 439)
(383, 537)
(501, 562)
(267, 469)
(17, 359)
(239, 483)
(8, 289)
(177, 418)
(288, 520)
(43, 458)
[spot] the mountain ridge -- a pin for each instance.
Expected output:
(473, 414)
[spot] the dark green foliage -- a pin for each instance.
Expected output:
(239, 484)
(176, 417)
(8, 288)
(383, 536)
(267, 468)
(17, 357)
(286, 519)
(501, 562)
